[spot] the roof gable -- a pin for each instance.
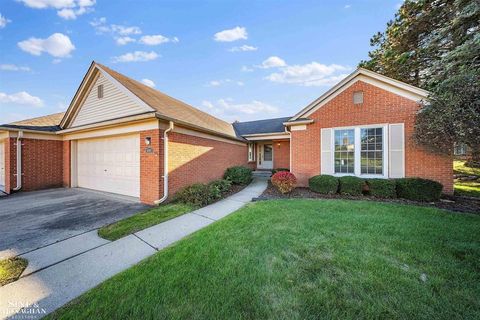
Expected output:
(370, 77)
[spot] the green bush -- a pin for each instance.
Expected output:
(218, 188)
(196, 194)
(419, 189)
(382, 188)
(323, 184)
(350, 185)
(238, 175)
(279, 170)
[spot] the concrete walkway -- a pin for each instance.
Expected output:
(63, 271)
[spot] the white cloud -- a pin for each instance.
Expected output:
(125, 31)
(230, 35)
(136, 56)
(246, 69)
(156, 39)
(347, 6)
(273, 62)
(13, 67)
(148, 82)
(3, 21)
(23, 98)
(229, 110)
(243, 48)
(57, 45)
(116, 30)
(311, 74)
(66, 9)
(217, 83)
(214, 83)
(121, 41)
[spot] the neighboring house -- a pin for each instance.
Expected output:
(112, 138)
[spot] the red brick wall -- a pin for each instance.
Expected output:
(151, 166)
(379, 107)
(67, 182)
(10, 164)
(281, 154)
(42, 164)
(194, 159)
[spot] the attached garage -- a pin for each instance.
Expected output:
(110, 164)
(2, 166)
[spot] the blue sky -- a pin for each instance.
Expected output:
(238, 60)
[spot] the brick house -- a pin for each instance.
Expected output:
(121, 136)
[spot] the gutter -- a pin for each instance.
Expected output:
(165, 164)
(19, 161)
(290, 148)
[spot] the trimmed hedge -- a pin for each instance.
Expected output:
(238, 175)
(323, 184)
(419, 189)
(350, 185)
(382, 188)
(279, 170)
(200, 194)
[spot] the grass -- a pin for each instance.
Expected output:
(11, 269)
(304, 259)
(460, 168)
(467, 188)
(143, 220)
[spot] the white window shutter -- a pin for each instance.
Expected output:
(396, 150)
(326, 149)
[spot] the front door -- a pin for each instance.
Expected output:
(265, 156)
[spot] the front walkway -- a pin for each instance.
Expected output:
(49, 283)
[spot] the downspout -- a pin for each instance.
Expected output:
(165, 164)
(290, 148)
(19, 161)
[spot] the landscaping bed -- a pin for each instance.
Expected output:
(452, 203)
(11, 269)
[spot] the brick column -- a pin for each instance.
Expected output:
(151, 166)
(67, 182)
(10, 164)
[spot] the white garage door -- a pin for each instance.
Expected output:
(2, 165)
(110, 164)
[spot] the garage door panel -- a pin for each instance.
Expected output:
(110, 164)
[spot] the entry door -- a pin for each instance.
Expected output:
(2, 166)
(110, 164)
(265, 157)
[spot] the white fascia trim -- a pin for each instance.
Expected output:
(384, 82)
(293, 123)
(283, 136)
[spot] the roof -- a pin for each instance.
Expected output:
(48, 123)
(172, 108)
(260, 126)
(398, 87)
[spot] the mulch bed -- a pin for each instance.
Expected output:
(452, 203)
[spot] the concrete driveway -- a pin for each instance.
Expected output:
(31, 220)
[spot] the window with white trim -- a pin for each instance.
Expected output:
(345, 151)
(251, 154)
(360, 151)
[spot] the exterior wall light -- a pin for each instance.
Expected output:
(148, 141)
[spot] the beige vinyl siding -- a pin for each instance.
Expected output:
(114, 104)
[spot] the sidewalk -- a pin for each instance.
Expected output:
(63, 271)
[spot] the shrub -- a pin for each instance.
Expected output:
(419, 189)
(196, 194)
(284, 181)
(238, 175)
(219, 188)
(350, 185)
(382, 188)
(279, 170)
(323, 184)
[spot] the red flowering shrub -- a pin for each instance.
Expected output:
(284, 181)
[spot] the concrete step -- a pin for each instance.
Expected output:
(265, 174)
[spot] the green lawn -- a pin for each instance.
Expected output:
(143, 220)
(460, 168)
(467, 188)
(11, 269)
(305, 259)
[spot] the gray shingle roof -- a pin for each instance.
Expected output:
(260, 126)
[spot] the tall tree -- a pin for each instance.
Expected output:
(435, 44)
